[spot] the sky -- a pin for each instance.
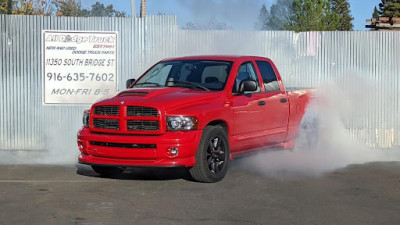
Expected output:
(240, 14)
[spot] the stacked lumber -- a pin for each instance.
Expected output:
(384, 23)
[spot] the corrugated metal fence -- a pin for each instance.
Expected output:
(364, 64)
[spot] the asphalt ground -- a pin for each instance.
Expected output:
(74, 194)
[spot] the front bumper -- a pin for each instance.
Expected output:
(138, 150)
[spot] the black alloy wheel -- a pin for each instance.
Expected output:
(216, 155)
(212, 157)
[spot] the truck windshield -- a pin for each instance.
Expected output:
(194, 74)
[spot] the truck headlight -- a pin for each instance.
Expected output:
(85, 118)
(186, 123)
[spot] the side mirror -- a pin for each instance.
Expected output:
(247, 85)
(129, 82)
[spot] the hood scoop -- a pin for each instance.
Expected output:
(133, 93)
(147, 92)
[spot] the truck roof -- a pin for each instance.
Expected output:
(217, 57)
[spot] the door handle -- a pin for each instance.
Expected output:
(261, 103)
(283, 100)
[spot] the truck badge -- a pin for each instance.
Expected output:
(122, 102)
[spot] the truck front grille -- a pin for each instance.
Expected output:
(141, 111)
(126, 119)
(111, 110)
(106, 124)
(142, 125)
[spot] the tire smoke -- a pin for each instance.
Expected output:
(236, 13)
(324, 143)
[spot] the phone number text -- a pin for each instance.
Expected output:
(81, 77)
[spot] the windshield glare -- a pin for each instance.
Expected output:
(195, 74)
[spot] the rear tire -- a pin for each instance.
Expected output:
(309, 131)
(212, 156)
(105, 171)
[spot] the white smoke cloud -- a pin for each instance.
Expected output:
(236, 13)
(351, 97)
(53, 146)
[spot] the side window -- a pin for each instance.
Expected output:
(246, 71)
(269, 78)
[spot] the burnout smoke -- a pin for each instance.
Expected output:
(55, 147)
(236, 13)
(324, 142)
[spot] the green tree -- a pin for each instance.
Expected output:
(375, 14)
(31, 7)
(280, 13)
(342, 9)
(312, 15)
(6, 6)
(389, 8)
(84, 12)
(98, 9)
(74, 8)
(68, 7)
(262, 20)
(9, 6)
(3, 6)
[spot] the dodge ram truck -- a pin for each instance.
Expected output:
(197, 112)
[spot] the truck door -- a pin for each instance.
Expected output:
(248, 112)
(276, 110)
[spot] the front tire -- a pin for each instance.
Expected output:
(212, 156)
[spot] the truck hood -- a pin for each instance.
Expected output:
(165, 97)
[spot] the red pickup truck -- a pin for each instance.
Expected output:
(196, 112)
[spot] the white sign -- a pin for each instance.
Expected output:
(79, 67)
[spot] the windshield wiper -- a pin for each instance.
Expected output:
(189, 83)
(156, 84)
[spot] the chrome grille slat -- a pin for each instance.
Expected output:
(141, 111)
(142, 125)
(112, 110)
